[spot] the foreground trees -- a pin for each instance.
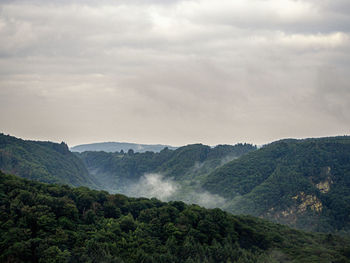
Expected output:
(51, 223)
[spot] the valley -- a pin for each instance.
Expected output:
(301, 183)
(73, 207)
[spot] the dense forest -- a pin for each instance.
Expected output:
(42, 161)
(54, 223)
(303, 183)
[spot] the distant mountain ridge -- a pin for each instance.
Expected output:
(120, 146)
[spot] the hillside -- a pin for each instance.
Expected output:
(302, 183)
(43, 161)
(120, 146)
(52, 223)
(116, 171)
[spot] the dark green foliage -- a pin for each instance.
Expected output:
(42, 161)
(51, 223)
(282, 182)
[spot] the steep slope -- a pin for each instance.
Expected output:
(115, 171)
(42, 161)
(52, 223)
(303, 183)
(120, 146)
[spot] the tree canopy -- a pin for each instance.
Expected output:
(53, 223)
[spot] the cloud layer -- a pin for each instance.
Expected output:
(174, 72)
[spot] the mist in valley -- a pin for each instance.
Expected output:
(165, 185)
(167, 189)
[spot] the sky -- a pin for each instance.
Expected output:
(174, 71)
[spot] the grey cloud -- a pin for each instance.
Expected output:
(288, 16)
(333, 95)
(174, 72)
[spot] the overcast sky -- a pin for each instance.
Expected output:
(174, 72)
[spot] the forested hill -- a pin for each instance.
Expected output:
(52, 223)
(120, 146)
(303, 183)
(116, 170)
(42, 161)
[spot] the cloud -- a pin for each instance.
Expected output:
(166, 189)
(153, 185)
(174, 72)
(205, 199)
(316, 41)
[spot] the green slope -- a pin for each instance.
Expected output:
(303, 183)
(53, 223)
(42, 161)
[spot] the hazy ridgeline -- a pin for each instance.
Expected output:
(120, 146)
